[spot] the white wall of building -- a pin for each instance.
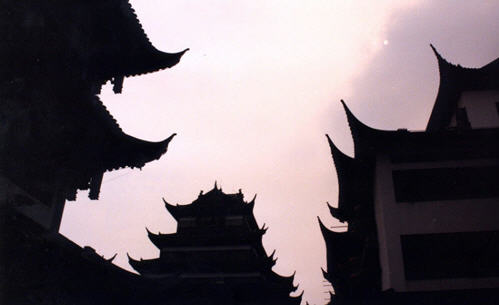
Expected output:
(481, 108)
(446, 216)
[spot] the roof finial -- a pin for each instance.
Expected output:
(216, 186)
(272, 256)
(263, 229)
(250, 205)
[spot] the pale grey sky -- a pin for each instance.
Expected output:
(251, 103)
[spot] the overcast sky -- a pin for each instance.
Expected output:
(252, 100)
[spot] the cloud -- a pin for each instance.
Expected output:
(398, 87)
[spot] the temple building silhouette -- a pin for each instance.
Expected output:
(57, 137)
(422, 208)
(216, 256)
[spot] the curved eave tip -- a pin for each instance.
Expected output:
(149, 232)
(111, 259)
(435, 51)
(169, 207)
(167, 140)
(353, 122)
(130, 259)
(250, 205)
(324, 230)
(171, 59)
(181, 53)
(320, 222)
(331, 145)
(357, 127)
(299, 297)
(440, 59)
(350, 117)
(324, 272)
(272, 255)
(336, 153)
(437, 54)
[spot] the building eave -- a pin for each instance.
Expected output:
(297, 299)
(172, 209)
(346, 169)
(455, 79)
(133, 55)
(365, 138)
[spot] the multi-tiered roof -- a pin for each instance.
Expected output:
(57, 135)
(218, 242)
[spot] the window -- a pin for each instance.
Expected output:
(451, 255)
(187, 222)
(445, 183)
(233, 220)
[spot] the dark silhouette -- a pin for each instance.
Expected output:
(56, 137)
(216, 256)
(422, 207)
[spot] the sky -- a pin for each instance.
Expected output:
(251, 102)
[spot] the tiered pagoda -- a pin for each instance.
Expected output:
(422, 208)
(57, 136)
(217, 254)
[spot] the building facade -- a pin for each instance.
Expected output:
(426, 203)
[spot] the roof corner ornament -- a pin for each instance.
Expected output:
(111, 259)
(441, 61)
(117, 82)
(436, 52)
(264, 229)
